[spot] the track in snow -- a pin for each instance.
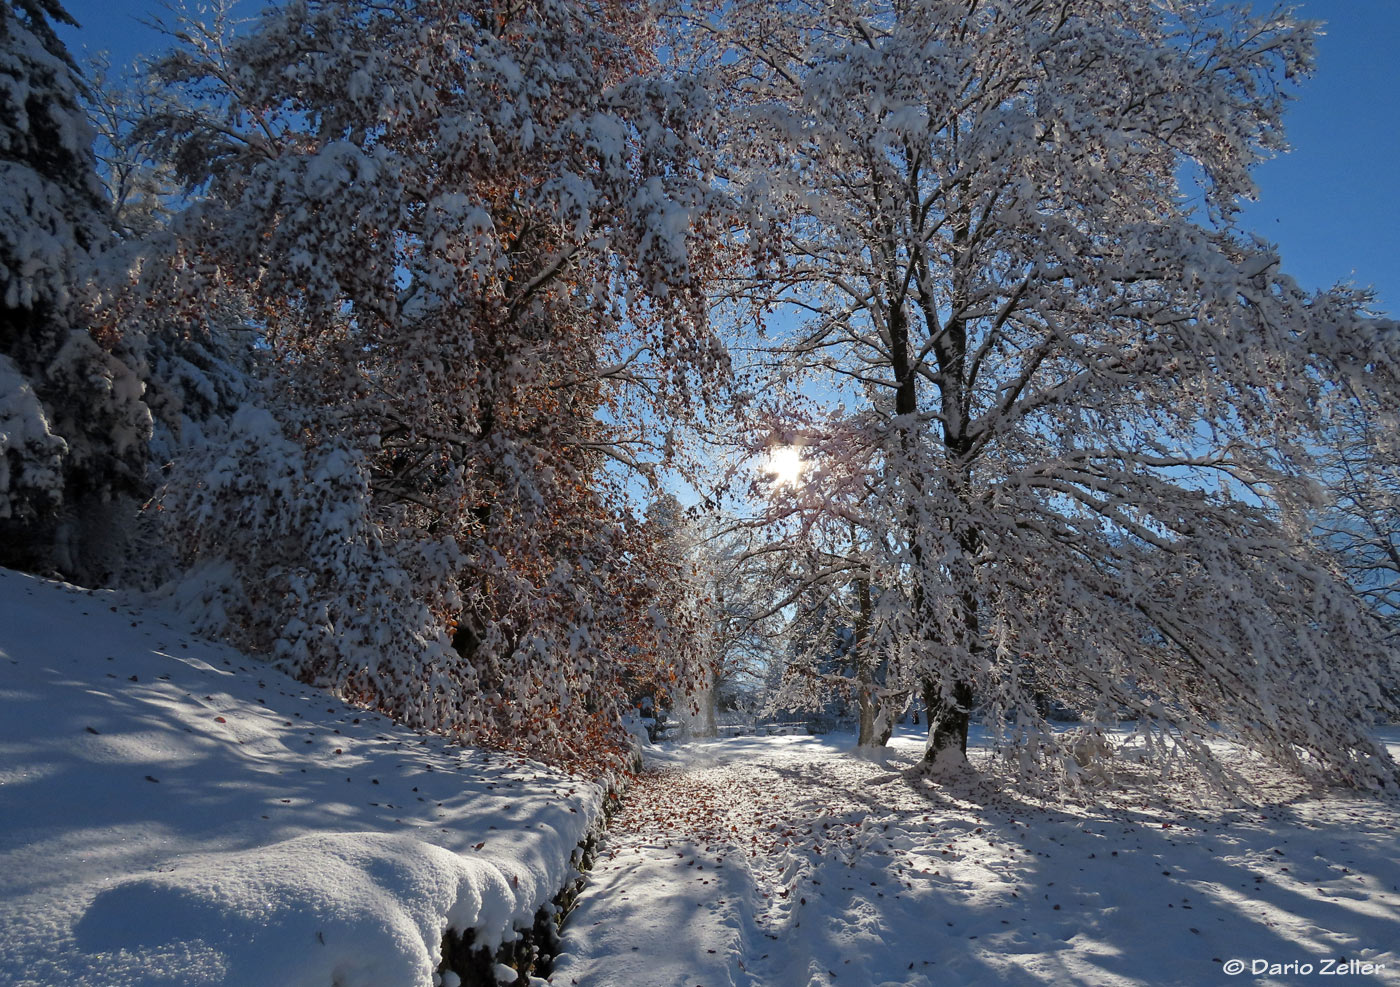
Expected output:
(785, 861)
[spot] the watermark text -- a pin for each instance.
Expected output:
(1325, 967)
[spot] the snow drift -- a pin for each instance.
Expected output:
(172, 812)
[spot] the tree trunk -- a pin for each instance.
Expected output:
(949, 715)
(867, 702)
(948, 718)
(877, 716)
(884, 725)
(708, 726)
(865, 705)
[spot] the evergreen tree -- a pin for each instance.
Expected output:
(73, 425)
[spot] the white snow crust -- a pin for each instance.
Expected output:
(173, 812)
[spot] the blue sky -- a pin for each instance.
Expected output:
(1332, 204)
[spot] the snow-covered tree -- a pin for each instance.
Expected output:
(726, 596)
(743, 632)
(847, 621)
(141, 189)
(1360, 519)
(190, 334)
(475, 237)
(678, 676)
(73, 426)
(1079, 402)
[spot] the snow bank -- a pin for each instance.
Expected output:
(373, 903)
(172, 812)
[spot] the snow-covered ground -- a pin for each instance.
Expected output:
(174, 813)
(786, 861)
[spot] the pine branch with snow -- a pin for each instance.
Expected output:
(76, 425)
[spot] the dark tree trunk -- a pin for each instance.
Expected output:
(948, 714)
(948, 718)
(871, 732)
(867, 709)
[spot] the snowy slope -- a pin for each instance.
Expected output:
(787, 862)
(172, 812)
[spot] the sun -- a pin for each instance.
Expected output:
(784, 465)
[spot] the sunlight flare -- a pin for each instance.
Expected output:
(784, 466)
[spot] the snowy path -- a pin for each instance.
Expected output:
(785, 861)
